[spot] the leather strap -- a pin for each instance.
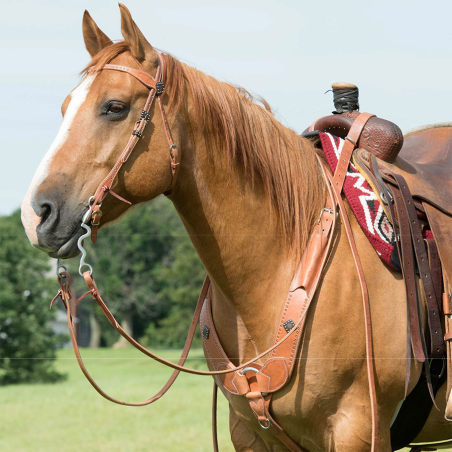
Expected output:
(408, 264)
(447, 306)
(277, 369)
(411, 288)
(349, 145)
(434, 263)
(146, 79)
(436, 339)
(337, 183)
(259, 403)
(414, 334)
(320, 242)
(66, 297)
(214, 417)
(367, 318)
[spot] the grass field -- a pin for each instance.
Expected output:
(71, 417)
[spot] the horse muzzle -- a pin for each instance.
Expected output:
(52, 226)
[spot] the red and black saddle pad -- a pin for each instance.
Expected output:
(364, 203)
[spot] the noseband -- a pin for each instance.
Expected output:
(156, 87)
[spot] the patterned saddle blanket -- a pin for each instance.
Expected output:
(364, 203)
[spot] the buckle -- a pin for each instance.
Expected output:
(321, 213)
(96, 212)
(383, 198)
(137, 133)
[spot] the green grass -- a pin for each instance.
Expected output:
(71, 416)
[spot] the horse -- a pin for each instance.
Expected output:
(249, 192)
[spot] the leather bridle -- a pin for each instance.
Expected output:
(156, 88)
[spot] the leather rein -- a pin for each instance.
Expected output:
(249, 380)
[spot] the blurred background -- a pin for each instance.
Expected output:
(289, 52)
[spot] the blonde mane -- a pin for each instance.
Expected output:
(248, 135)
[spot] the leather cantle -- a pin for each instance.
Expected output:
(382, 138)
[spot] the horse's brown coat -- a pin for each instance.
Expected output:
(248, 192)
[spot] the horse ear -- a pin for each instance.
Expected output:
(95, 39)
(139, 46)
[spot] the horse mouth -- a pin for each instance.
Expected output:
(69, 249)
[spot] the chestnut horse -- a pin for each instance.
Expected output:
(249, 192)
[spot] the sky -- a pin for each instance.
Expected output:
(399, 53)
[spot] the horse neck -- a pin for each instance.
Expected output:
(235, 231)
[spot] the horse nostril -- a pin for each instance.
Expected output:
(49, 215)
(46, 212)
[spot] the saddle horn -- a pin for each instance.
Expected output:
(380, 137)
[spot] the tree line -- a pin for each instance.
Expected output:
(147, 271)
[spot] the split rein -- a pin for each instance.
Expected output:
(93, 216)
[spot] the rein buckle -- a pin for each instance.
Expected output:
(96, 214)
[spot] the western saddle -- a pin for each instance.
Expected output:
(412, 178)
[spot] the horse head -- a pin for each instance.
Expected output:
(98, 118)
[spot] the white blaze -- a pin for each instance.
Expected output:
(29, 218)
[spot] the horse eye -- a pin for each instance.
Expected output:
(115, 108)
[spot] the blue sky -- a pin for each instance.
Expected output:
(289, 52)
